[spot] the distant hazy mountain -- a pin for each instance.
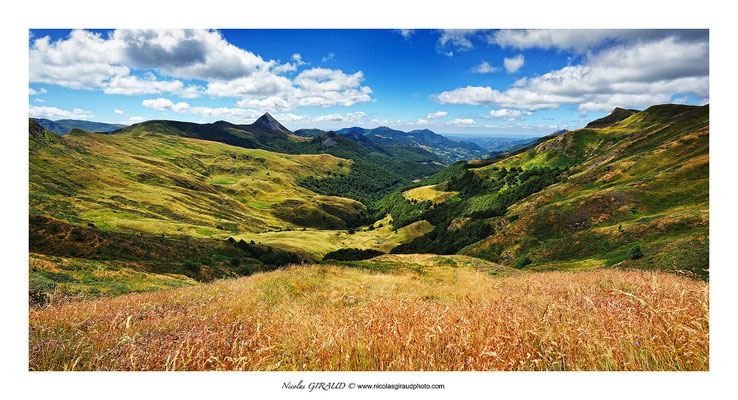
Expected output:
(492, 144)
(64, 126)
(448, 149)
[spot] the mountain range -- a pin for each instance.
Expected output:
(449, 150)
(573, 199)
(64, 126)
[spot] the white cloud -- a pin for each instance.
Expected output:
(406, 33)
(297, 59)
(329, 117)
(39, 100)
(456, 39)
(113, 64)
(33, 92)
(162, 104)
(132, 85)
(636, 75)
(421, 122)
(437, 115)
(272, 103)
(514, 64)
(484, 68)
(57, 113)
(119, 112)
(233, 114)
(186, 53)
(462, 122)
(508, 113)
(289, 67)
(581, 40)
(135, 119)
(244, 115)
(315, 87)
(348, 117)
(521, 126)
(328, 57)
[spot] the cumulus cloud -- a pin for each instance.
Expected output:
(133, 85)
(115, 64)
(316, 87)
(348, 117)
(186, 53)
(421, 122)
(508, 113)
(636, 75)
(581, 40)
(238, 115)
(462, 122)
(328, 57)
(522, 126)
(162, 104)
(456, 40)
(484, 68)
(406, 33)
(33, 92)
(290, 66)
(119, 112)
(244, 115)
(437, 115)
(513, 64)
(57, 113)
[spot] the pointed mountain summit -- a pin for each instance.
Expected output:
(268, 122)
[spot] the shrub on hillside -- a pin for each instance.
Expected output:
(636, 253)
(351, 254)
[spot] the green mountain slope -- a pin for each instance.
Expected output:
(376, 170)
(632, 192)
(166, 184)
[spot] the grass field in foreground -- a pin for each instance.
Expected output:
(422, 313)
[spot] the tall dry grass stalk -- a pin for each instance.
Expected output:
(332, 318)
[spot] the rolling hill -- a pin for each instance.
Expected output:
(631, 192)
(172, 185)
(160, 184)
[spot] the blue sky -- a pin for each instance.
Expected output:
(483, 82)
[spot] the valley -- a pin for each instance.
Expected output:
(135, 233)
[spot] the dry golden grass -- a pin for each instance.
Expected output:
(429, 318)
(430, 192)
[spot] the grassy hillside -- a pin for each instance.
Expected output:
(632, 192)
(169, 185)
(376, 170)
(61, 279)
(399, 312)
(315, 243)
